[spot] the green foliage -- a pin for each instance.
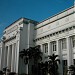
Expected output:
(6, 70)
(65, 70)
(1, 72)
(53, 64)
(72, 69)
(36, 54)
(22, 74)
(43, 68)
(12, 73)
(24, 55)
(31, 52)
(50, 66)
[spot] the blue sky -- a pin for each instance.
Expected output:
(39, 10)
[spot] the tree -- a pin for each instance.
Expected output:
(53, 65)
(5, 70)
(37, 57)
(43, 68)
(24, 55)
(31, 53)
(72, 69)
(36, 54)
(1, 72)
(12, 73)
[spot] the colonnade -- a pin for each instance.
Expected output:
(9, 57)
(59, 51)
(11, 53)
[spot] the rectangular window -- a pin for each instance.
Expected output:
(74, 61)
(63, 43)
(64, 62)
(73, 41)
(53, 46)
(45, 47)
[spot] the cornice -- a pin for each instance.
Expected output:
(55, 33)
(54, 20)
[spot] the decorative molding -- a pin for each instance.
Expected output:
(66, 19)
(49, 27)
(56, 33)
(41, 30)
(9, 39)
(55, 20)
(57, 23)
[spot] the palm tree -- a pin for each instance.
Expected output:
(37, 54)
(1, 72)
(12, 73)
(53, 65)
(24, 55)
(37, 57)
(31, 53)
(72, 69)
(43, 68)
(5, 70)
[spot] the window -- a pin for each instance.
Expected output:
(53, 44)
(64, 62)
(45, 47)
(63, 43)
(74, 61)
(73, 41)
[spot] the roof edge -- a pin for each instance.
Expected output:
(18, 20)
(57, 14)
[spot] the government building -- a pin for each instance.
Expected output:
(55, 35)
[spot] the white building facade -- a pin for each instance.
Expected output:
(17, 36)
(54, 35)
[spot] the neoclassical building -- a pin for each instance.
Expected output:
(55, 35)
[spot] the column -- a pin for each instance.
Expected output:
(17, 56)
(42, 52)
(13, 58)
(49, 49)
(59, 53)
(8, 57)
(0, 57)
(41, 48)
(9, 54)
(5, 57)
(69, 52)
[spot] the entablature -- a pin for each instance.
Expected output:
(55, 33)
